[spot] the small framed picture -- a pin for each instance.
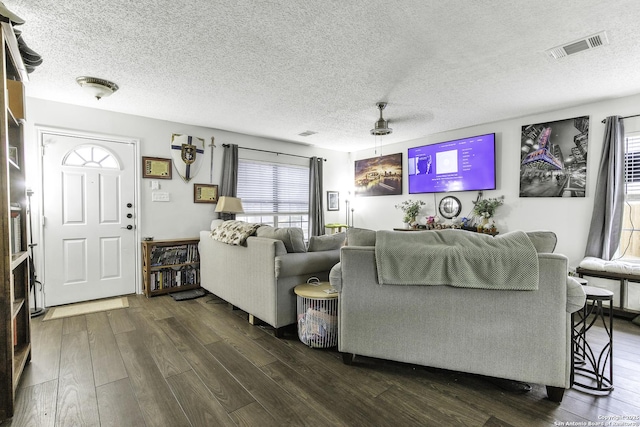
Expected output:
(156, 167)
(205, 193)
(333, 201)
(13, 155)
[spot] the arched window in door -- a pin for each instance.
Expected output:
(91, 156)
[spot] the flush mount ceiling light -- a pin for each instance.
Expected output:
(381, 127)
(97, 87)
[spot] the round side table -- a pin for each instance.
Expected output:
(592, 367)
(317, 314)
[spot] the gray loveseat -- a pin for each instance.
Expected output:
(510, 334)
(258, 275)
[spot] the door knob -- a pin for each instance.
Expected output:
(129, 215)
(128, 227)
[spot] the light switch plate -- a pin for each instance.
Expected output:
(159, 196)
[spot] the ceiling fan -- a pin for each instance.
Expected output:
(381, 127)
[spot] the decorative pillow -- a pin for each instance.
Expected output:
(292, 237)
(326, 243)
(361, 237)
(234, 232)
(575, 295)
(544, 241)
(216, 223)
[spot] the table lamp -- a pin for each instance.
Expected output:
(229, 206)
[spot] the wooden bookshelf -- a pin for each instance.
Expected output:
(15, 316)
(170, 266)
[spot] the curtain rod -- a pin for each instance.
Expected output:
(626, 117)
(273, 152)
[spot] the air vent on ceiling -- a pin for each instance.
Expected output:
(590, 42)
(307, 133)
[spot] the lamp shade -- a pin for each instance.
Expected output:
(228, 204)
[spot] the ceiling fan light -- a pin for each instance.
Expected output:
(99, 88)
(381, 127)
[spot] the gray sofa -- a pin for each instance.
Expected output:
(258, 276)
(510, 334)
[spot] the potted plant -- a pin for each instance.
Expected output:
(411, 209)
(486, 208)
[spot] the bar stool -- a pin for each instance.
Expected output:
(585, 364)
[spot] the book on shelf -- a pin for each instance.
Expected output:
(16, 231)
(174, 255)
(173, 278)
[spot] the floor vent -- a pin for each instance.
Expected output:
(590, 42)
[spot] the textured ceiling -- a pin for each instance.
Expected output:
(278, 68)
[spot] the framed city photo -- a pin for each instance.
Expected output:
(156, 167)
(553, 158)
(333, 201)
(205, 193)
(379, 176)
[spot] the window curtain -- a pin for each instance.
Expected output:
(229, 183)
(316, 208)
(608, 204)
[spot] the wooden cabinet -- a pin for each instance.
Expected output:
(15, 318)
(170, 266)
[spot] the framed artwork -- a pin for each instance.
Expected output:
(205, 193)
(379, 176)
(156, 167)
(553, 158)
(333, 201)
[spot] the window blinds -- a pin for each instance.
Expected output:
(273, 188)
(632, 167)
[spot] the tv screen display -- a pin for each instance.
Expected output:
(467, 164)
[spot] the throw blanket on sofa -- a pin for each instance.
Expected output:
(234, 232)
(457, 258)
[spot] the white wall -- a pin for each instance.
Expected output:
(569, 218)
(179, 218)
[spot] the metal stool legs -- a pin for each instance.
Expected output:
(589, 364)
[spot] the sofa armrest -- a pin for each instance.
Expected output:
(297, 264)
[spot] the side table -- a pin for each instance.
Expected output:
(317, 314)
(591, 365)
(336, 228)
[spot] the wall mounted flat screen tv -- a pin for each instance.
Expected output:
(467, 164)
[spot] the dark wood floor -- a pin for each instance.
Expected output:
(166, 363)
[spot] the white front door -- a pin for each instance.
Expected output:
(89, 218)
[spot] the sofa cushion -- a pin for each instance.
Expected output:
(615, 266)
(306, 264)
(544, 241)
(326, 243)
(360, 237)
(292, 237)
(234, 232)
